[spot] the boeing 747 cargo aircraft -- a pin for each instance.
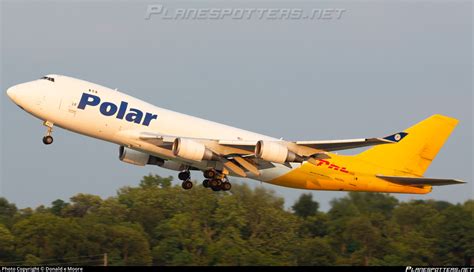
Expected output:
(147, 134)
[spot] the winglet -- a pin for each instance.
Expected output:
(395, 138)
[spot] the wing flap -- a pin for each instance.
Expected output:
(247, 165)
(233, 167)
(420, 181)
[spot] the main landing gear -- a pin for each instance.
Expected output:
(48, 139)
(185, 176)
(216, 181)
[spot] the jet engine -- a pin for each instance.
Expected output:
(192, 150)
(138, 158)
(275, 152)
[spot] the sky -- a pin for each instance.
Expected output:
(379, 68)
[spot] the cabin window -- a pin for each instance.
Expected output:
(48, 78)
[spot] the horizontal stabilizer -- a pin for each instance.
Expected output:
(420, 181)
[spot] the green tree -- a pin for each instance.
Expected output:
(315, 252)
(369, 203)
(316, 225)
(32, 260)
(128, 245)
(416, 248)
(7, 243)
(341, 208)
(180, 242)
(455, 237)
(417, 216)
(7, 211)
(82, 204)
(111, 211)
(363, 239)
(49, 237)
(157, 223)
(155, 181)
(230, 249)
(57, 206)
(305, 206)
(271, 230)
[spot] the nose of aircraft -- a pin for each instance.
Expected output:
(12, 93)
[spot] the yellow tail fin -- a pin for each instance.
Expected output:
(417, 150)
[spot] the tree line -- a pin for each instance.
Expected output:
(156, 223)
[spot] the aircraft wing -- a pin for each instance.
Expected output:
(247, 147)
(239, 155)
(335, 145)
(420, 181)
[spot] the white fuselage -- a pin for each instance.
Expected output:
(59, 102)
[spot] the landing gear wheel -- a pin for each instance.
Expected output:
(187, 185)
(205, 183)
(214, 183)
(226, 186)
(216, 189)
(47, 140)
(185, 175)
(209, 174)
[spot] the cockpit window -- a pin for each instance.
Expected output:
(48, 78)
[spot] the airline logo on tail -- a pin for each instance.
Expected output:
(110, 109)
(396, 137)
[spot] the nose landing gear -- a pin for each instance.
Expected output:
(48, 139)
